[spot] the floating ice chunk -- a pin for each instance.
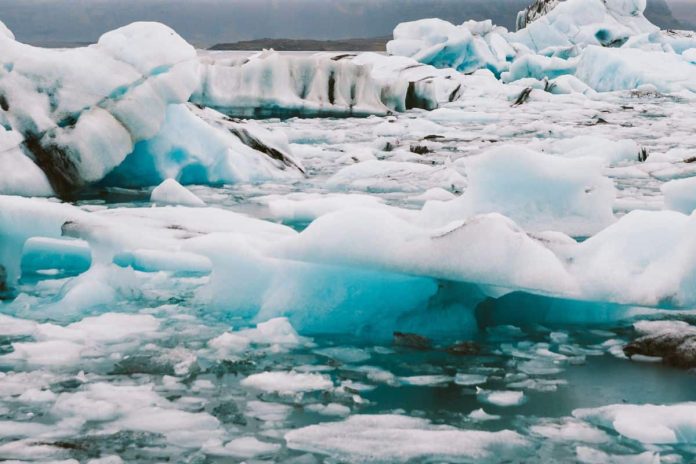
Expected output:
(680, 195)
(571, 430)
(609, 69)
(137, 408)
(201, 146)
(539, 367)
(611, 151)
(331, 409)
(99, 286)
(587, 455)
(424, 85)
(22, 218)
(426, 380)
(229, 343)
(50, 353)
(388, 176)
(647, 423)
(465, 48)
(305, 207)
(246, 447)
(618, 265)
(106, 460)
(276, 333)
(481, 416)
(106, 328)
(539, 67)
(268, 412)
(12, 327)
(182, 428)
(538, 191)
(345, 354)
(552, 25)
(377, 374)
(41, 254)
(170, 192)
(270, 84)
(469, 380)
(105, 98)
(287, 383)
(372, 239)
(389, 438)
(502, 398)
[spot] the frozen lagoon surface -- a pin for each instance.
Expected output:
(437, 255)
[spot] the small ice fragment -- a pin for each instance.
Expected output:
(344, 354)
(170, 192)
(503, 398)
(571, 430)
(287, 383)
(249, 447)
(481, 415)
(426, 380)
(469, 380)
(331, 409)
(268, 412)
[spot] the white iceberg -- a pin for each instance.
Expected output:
(270, 84)
(466, 48)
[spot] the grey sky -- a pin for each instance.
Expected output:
(205, 22)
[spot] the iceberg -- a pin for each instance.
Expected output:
(466, 48)
(680, 195)
(117, 110)
(79, 112)
(608, 45)
(553, 24)
(538, 191)
(201, 146)
(608, 69)
(269, 84)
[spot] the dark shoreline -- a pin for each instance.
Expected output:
(375, 44)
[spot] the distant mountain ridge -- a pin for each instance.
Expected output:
(659, 13)
(374, 44)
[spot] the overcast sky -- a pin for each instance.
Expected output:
(206, 22)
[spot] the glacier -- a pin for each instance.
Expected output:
(439, 252)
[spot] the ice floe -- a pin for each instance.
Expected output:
(386, 438)
(646, 423)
